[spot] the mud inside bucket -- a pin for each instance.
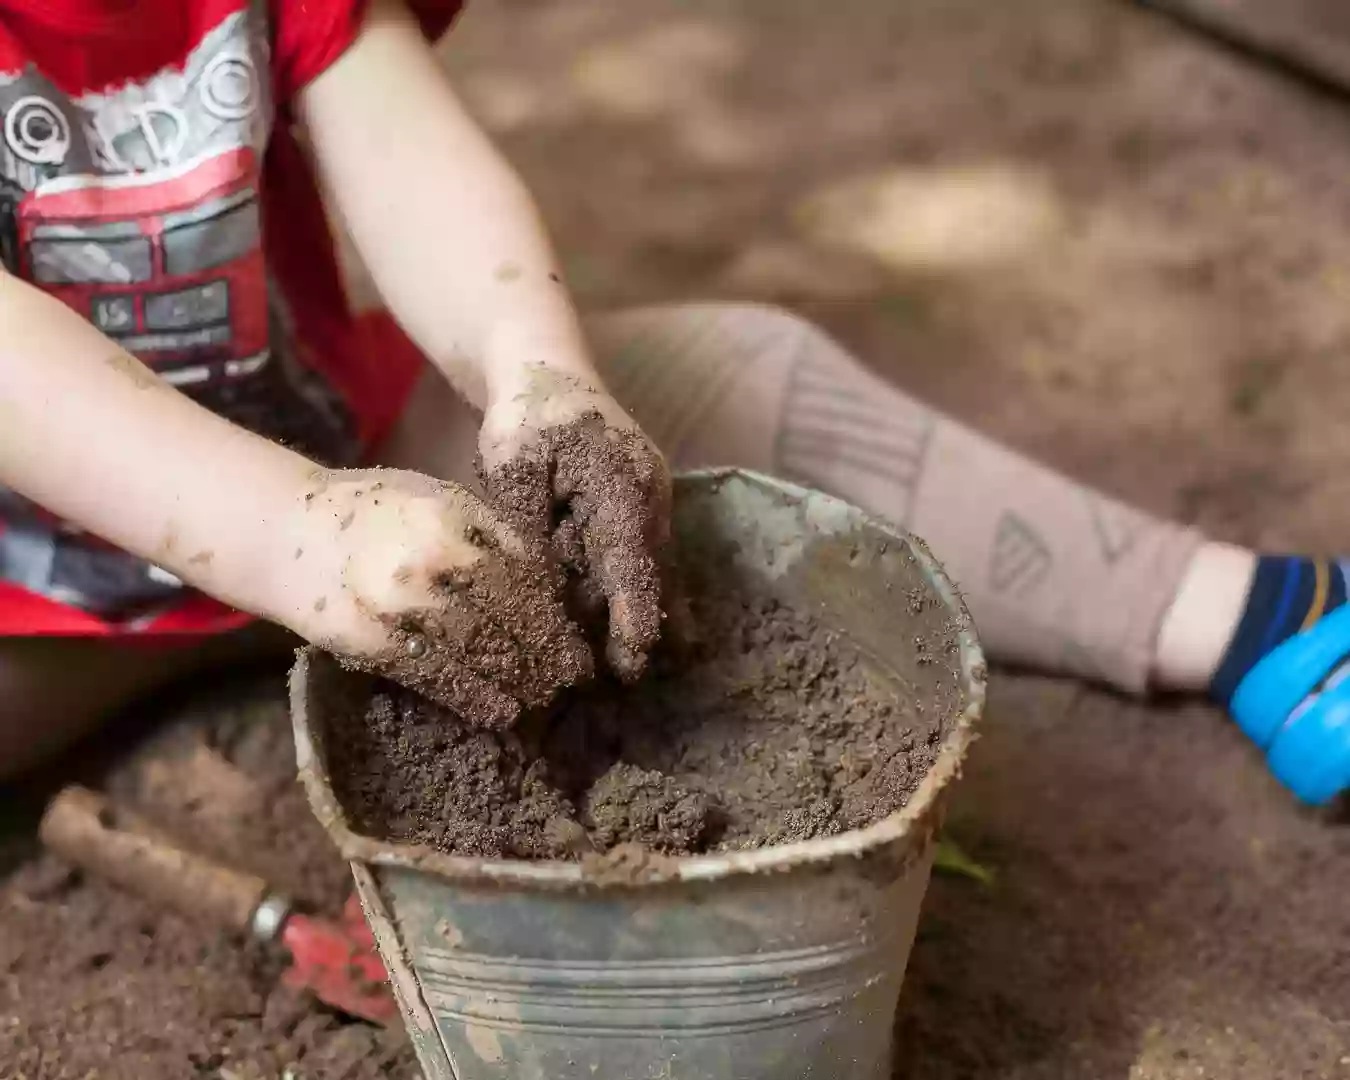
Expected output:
(765, 964)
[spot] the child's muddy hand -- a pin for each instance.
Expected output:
(426, 585)
(560, 459)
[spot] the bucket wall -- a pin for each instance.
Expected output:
(792, 976)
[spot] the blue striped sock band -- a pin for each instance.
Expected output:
(1289, 593)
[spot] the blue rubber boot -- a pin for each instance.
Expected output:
(1295, 705)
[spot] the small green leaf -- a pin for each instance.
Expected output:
(950, 859)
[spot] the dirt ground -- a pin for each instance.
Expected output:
(1071, 206)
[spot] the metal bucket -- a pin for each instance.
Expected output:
(778, 963)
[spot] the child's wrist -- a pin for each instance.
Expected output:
(307, 556)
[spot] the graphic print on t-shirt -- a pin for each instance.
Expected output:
(138, 207)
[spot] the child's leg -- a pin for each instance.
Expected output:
(53, 690)
(1058, 576)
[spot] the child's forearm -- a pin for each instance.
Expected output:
(91, 434)
(449, 232)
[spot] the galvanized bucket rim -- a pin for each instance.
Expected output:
(917, 816)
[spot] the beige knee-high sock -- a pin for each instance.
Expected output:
(1058, 576)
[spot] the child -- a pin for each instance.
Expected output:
(149, 148)
(159, 166)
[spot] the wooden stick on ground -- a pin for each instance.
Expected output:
(115, 843)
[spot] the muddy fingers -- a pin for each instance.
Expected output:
(627, 576)
(561, 460)
(437, 592)
(601, 495)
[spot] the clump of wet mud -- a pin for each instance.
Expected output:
(498, 641)
(771, 730)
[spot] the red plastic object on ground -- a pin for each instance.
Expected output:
(338, 964)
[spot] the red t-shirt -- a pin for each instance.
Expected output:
(150, 180)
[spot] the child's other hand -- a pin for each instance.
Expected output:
(561, 459)
(418, 580)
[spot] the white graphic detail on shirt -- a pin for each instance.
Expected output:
(37, 131)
